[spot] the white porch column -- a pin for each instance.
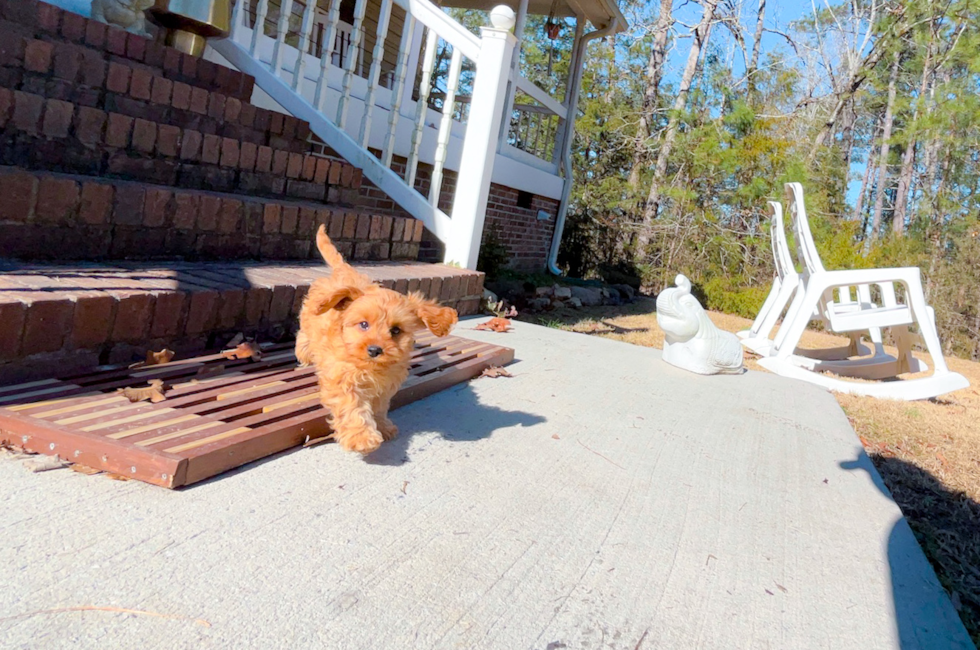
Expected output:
(515, 71)
(469, 209)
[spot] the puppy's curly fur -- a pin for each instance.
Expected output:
(360, 337)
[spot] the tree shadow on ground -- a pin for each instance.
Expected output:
(946, 524)
(455, 414)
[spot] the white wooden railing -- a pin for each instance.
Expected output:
(358, 115)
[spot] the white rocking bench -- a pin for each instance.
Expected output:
(786, 284)
(813, 295)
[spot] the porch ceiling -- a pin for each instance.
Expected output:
(599, 12)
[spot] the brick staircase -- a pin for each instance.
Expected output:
(152, 189)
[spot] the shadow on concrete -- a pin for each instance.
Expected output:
(947, 526)
(455, 414)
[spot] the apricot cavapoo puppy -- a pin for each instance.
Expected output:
(360, 337)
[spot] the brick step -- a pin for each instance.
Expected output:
(48, 216)
(51, 134)
(60, 318)
(81, 76)
(82, 49)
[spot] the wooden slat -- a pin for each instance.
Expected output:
(204, 427)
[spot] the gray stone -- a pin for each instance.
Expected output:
(538, 304)
(544, 291)
(563, 293)
(590, 297)
(626, 291)
(574, 302)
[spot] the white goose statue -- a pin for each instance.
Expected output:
(692, 341)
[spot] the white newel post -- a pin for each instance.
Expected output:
(480, 144)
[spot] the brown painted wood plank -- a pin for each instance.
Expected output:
(248, 411)
(166, 470)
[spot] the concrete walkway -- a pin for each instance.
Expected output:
(597, 499)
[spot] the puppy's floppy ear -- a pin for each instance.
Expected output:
(439, 320)
(338, 298)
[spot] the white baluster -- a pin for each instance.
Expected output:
(285, 9)
(377, 57)
(236, 17)
(397, 89)
(258, 29)
(304, 43)
(538, 119)
(351, 63)
(421, 108)
(446, 126)
(326, 55)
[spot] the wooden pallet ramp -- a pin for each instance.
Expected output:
(219, 413)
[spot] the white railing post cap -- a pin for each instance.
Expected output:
(503, 17)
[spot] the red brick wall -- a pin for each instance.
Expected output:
(65, 217)
(527, 238)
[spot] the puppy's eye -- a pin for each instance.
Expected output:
(395, 331)
(364, 325)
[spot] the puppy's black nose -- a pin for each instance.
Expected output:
(374, 351)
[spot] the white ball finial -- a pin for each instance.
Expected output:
(503, 17)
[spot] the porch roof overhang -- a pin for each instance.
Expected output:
(599, 12)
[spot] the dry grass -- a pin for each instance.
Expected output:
(928, 452)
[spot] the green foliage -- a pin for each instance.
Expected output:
(738, 142)
(494, 255)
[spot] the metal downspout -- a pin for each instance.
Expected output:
(566, 158)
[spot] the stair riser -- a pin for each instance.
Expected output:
(54, 318)
(62, 217)
(80, 44)
(49, 134)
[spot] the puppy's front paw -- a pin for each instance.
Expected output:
(388, 429)
(363, 442)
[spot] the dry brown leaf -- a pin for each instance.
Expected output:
(85, 469)
(495, 371)
(555, 436)
(116, 477)
(155, 358)
(495, 325)
(153, 392)
(404, 485)
(246, 350)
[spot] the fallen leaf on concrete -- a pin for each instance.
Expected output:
(495, 325)
(555, 436)
(246, 350)
(495, 371)
(404, 485)
(153, 392)
(770, 593)
(781, 588)
(44, 464)
(85, 469)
